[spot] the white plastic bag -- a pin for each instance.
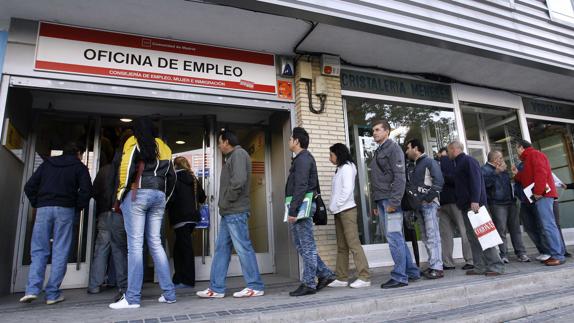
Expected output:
(484, 228)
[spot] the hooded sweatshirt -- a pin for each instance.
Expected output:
(60, 181)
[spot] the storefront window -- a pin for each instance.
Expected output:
(555, 141)
(434, 126)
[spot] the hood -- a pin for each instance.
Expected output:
(184, 176)
(63, 161)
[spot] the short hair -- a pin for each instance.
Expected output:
(492, 154)
(442, 149)
(456, 144)
(229, 136)
(416, 143)
(383, 123)
(342, 153)
(73, 148)
(523, 143)
(302, 136)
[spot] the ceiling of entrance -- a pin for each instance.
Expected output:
(225, 26)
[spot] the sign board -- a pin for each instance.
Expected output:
(548, 108)
(395, 86)
(77, 50)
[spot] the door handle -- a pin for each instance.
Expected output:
(80, 241)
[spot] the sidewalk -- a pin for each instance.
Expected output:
(277, 305)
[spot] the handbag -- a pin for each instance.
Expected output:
(320, 216)
(484, 228)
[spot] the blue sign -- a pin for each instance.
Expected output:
(3, 42)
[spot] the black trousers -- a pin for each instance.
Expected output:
(183, 257)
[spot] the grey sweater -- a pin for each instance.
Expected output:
(234, 182)
(388, 177)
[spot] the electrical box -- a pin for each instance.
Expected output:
(330, 65)
(320, 85)
(305, 70)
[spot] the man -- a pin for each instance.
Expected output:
(424, 183)
(303, 179)
(387, 187)
(450, 217)
(59, 188)
(502, 205)
(470, 196)
(234, 206)
(537, 170)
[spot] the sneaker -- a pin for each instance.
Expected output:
(324, 282)
(523, 258)
(467, 267)
(505, 260)
(248, 292)
(208, 293)
(123, 304)
(95, 290)
(28, 298)
(162, 299)
(55, 301)
(303, 290)
(434, 274)
(338, 283)
(359, 283)
(542, 257)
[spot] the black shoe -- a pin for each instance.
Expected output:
(414, 279)
(467, 267)
(303, 290)
(323, 282)
(96, 290)
(393, 284)
(567, 254)
(448, 267)
(434, 274)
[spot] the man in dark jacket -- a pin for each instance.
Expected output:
(502, 205)
(303, 179)
(451, 217)
(424, 183)
(388, 187)
(59, 188)
(470, 196)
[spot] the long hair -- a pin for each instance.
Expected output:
(342, 153)
(182, 163)
(145, 135)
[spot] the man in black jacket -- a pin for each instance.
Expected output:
(59, 188)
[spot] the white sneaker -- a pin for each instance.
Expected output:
(542, 257)
(208, 293)
(505, 260)
(162, 299)
(338, 283)
(359, 283)
(524, 258)
(28, 298)
(55, 301)
(123, 304)
(248, 292)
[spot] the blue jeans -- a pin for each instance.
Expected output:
(145, 216)
(304, 241)
(532, 227)
(430, 234)
(550, 233)
(56, 222)
(234, 232)
(393, 230)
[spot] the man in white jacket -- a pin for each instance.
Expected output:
(343, 206)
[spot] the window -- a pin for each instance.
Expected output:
(561, 11)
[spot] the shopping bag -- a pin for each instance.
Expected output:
(484, 228)
(304, 210)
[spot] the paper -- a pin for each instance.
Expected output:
(530, 195)
(304, 210)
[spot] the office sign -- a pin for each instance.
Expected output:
(77, 50)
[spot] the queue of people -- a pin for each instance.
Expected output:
(134, 190)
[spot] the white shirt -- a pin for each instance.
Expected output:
(343, 188)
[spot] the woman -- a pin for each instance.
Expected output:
(146, 174)
(183, 210)
(343, 206)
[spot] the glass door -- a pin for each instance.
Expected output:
(49, 136)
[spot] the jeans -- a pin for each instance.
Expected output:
(550, 233)
(506, 221)
(51, 222)
(145, 216)
(183, 257)
(450, 218)
(393, 230)
(484, 260)
(532, 227)
(111, 238)
(430, 234)
(304, 241)
(556, 208)
(233, 232)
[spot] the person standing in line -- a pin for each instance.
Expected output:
(424, 184)
(388, 181)
(303, 179)
(343, 206)
(183, 211)
(537, 170)
(58, 189)
(450, 217)
(146, 180)
(234, 207)
(502, 205)
(470, 196)
(556, 208)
